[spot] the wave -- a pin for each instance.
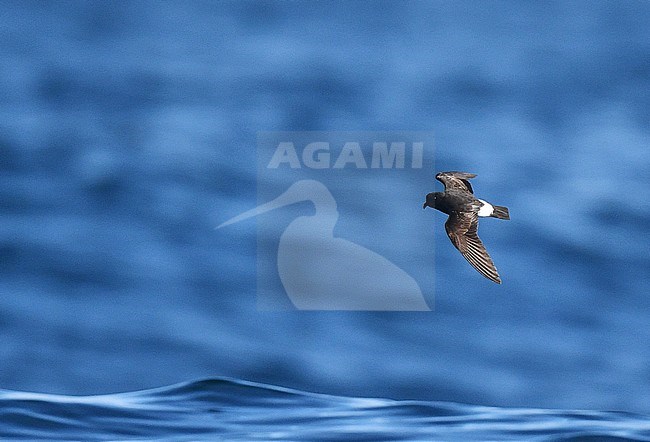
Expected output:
(233, 409)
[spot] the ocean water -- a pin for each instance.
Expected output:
(229, 409)
(128, 132)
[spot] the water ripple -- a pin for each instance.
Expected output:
(230, 409)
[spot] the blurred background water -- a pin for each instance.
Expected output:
(128, 132)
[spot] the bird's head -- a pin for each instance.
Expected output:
(431, 201)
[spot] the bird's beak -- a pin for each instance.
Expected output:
(425, 205)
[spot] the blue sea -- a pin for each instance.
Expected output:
(229, 409)
(130, 130)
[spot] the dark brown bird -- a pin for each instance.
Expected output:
(458, 201)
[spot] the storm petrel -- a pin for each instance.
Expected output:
(458, 201)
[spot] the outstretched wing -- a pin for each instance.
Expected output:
(462, 230)
(456, 180)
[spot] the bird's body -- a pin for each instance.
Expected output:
(454, 200)
(464, 209)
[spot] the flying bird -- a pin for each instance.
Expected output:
(458, 201)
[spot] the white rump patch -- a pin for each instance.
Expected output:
(486, 209)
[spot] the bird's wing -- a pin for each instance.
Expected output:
(462, 229)
(456, 180)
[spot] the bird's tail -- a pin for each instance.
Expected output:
(500, 212)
